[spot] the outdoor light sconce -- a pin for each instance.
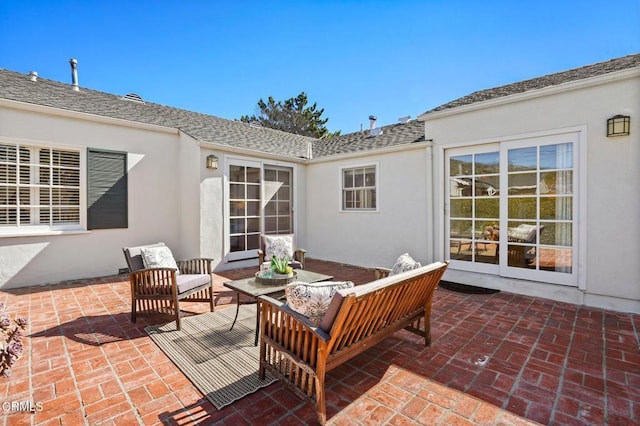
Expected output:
(618, 125)
(212, 162)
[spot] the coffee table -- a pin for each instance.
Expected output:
(253, 288)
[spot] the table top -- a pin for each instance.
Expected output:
(251, 287)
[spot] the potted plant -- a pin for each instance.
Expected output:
(280, 267)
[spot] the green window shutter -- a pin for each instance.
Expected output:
(107, 189)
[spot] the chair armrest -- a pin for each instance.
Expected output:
(381, 272)
(299, 256)
(275, 315)
(200, 265)
(260, 258)
(150, 280)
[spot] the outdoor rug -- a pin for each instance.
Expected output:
(221, 363)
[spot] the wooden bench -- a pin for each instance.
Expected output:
(300, 354)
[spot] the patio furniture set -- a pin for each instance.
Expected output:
(305, 328)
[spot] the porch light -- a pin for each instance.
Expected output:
(212, 162)
(618, 125)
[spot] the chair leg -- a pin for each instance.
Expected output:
(321, 409)
(133, 310)
(176, 307)
(427, 328)
(211, 301)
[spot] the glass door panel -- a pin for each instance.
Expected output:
(540, 207)
(244, 208)
(277, 208)
(474, 207)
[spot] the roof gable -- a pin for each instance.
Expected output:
(588, 71)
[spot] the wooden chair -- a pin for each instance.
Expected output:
(297, 261)
(160, 290)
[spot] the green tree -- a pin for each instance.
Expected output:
(292, 116)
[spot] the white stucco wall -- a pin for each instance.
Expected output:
(608, 269)
(370, 238)
(154, 210)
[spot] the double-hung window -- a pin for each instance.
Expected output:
(359, 188)
(40, 187)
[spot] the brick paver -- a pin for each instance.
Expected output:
(495, 359)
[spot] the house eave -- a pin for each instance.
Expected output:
(42, 109)
(370, 152)
(537, 93)
(249, 152)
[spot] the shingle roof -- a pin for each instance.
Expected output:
(393, 135)
(207, 128)
(618, 64)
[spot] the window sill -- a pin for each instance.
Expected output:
(17, 234)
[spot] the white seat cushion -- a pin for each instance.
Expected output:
(186, 282)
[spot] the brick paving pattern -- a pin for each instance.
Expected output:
(497, 359)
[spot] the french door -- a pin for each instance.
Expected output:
(260, 202)
(511, 208)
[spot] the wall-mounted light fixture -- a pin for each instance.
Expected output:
(618, 125)
(212, 162)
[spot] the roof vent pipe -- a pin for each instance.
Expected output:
(372, 121)
(33, 75)
(74, 74)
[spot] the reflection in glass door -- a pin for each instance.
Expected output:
(277, 196)
(474, 206)
(540, 207)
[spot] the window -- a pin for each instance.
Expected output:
(359, 188)
(511, 208)
(39, 188)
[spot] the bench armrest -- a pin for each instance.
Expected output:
(275, 315)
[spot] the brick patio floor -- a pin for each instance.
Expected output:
(498, 359)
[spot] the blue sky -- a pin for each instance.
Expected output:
(354, 58)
